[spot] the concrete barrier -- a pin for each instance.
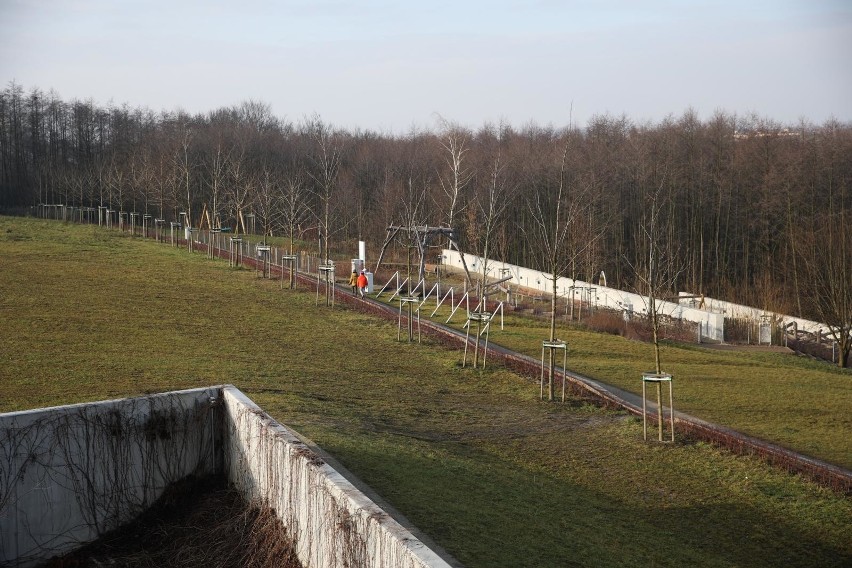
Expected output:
(70, 474)
(332, 523)
(711, 325)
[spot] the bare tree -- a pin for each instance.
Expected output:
(117, 184)
(826, 257)
(295, 209)
(326, 158)
(217, 170)
(662, 266)
(558, 208)
(242, 185)
(184, 165)
(268, 199)
(455, 178)
(491, 201)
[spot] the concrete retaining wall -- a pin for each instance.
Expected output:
(732, 310)
(69, 474)
(712, 325)
(333, 524)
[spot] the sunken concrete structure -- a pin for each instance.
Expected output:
(70, 474)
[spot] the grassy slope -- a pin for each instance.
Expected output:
(798, 403)
(472, 458)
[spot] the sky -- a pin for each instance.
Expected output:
(396, 66)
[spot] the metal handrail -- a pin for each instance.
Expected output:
(449, 293)
(399, 287)
(456, 307)
(395, 275)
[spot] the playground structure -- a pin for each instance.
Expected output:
(420, 238)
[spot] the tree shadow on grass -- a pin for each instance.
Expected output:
(487, 512)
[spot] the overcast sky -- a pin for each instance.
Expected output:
(390, 66)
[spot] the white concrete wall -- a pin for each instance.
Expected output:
(69, 474)
(732, 310)
(333, 523)
(712, 324)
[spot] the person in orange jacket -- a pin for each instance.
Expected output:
(362, 283)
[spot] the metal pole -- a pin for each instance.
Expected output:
(671, 409)
(660, 410)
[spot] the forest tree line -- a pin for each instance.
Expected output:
(741, 208)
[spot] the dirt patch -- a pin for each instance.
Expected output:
(196, 523)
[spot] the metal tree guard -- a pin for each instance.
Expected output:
(328, 271)
(658, 379)
(551, 346)
(263, 263)
(174, 230)
(235, 252)
(479, 318)
(146, 223)
(290, 259)
(213, 242)
(158, 229)
(409, 302)
(190, 239)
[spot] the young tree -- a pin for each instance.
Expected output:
(242, 185)
(184, 165)
(559, 204)
(218, 165)
(268, 199)
(454, 179)
(326, 158)
(295, 207)
(492, 199)
(662, 266)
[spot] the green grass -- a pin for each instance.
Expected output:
(795, 402)
(471, 457)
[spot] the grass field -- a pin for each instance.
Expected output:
(799, 403)
(470, 457)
